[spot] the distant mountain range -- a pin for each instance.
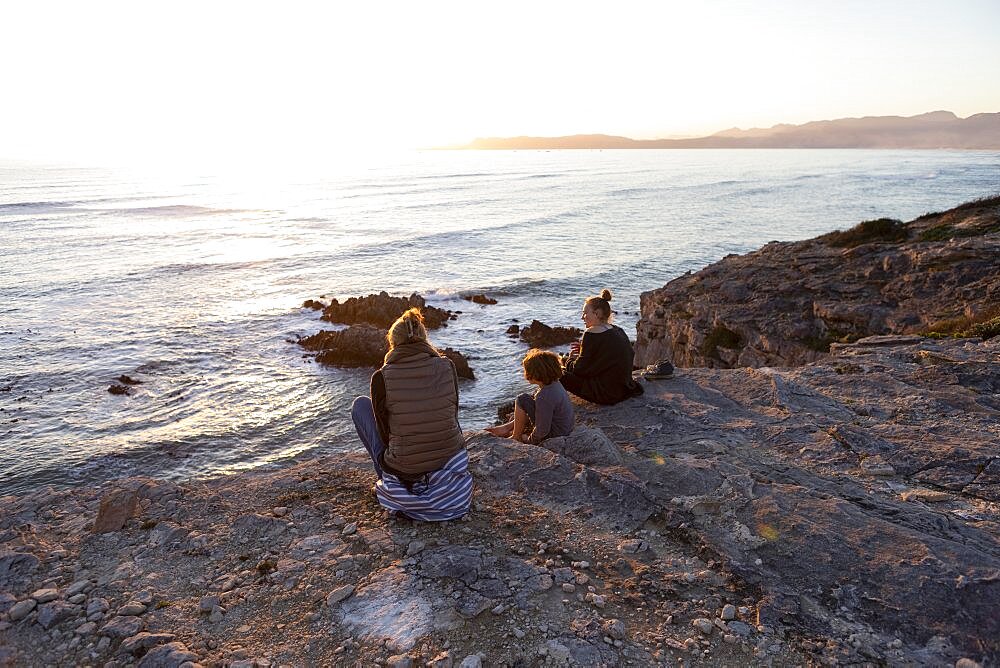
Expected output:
(937, 129)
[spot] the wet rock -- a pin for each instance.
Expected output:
(540, 335)
(505, 412)
(479, 299)
(116, 508)
(356, 346)
(461, 363)
(128, 380)
(313, 304)
(119, 390)
(366, 346)
(513, 330)
(381, 310)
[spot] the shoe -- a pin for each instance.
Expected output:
(659, 370)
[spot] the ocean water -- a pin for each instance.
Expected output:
(193, 283)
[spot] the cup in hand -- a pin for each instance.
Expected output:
(574, 348)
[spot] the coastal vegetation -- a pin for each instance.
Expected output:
(880, 230)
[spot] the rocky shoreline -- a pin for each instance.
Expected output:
(844, 511)
(839, 512)
(786, 303)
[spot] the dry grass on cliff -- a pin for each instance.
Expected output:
(886, 230)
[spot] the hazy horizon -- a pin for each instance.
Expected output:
(226, 81)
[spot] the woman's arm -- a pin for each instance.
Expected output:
(590, 361)
(379, 406)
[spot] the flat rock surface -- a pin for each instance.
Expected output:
(740, 497)
(786, 303)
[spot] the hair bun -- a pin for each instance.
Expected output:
(606, 295)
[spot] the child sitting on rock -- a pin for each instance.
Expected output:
(549, 410)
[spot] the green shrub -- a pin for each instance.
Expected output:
(945, 232)
(985, 330)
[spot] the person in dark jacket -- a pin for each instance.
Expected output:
(599, 366)
(410, 427)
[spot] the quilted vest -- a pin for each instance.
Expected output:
(422, 402)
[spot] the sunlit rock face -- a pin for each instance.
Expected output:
(786, 303)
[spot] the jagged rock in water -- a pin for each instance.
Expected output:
(479, 299)
(786, 303)
(366, 346)
(381, 310)
(461, 363)
(540, 335)
(356, 346)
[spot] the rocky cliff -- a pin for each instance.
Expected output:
(786, 303)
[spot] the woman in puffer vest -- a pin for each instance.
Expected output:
(410, 428)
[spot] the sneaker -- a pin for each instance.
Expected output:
(659, 370)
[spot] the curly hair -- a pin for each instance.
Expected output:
(542, 366)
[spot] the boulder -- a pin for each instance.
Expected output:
(366, 346)
(356, 346)
(479, 299)
(540, 335)
(461, 363)
(381, 310)
(116, 508)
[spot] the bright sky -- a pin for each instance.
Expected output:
(143, 80)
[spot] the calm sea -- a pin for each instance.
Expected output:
(193, 284)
